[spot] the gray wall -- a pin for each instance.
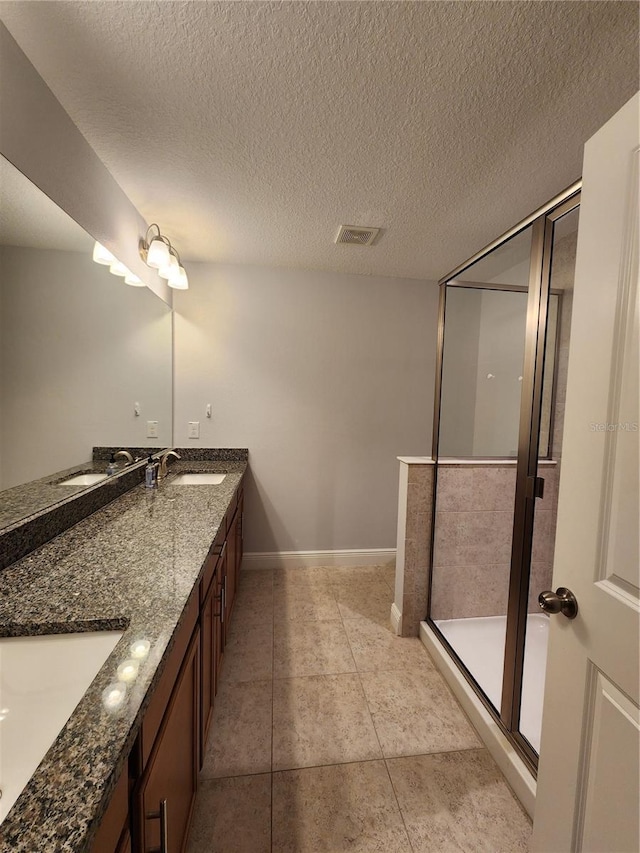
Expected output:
(326, 378)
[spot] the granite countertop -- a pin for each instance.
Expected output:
(130, 566)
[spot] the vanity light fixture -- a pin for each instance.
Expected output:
(158, 253)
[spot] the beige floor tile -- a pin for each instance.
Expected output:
(414, 712)
(375, 647)
(302, 577)
(240, 733)
(232, 816)
(253, 606)
(349, 807)
(458, 801)
(255, 580)
(321, 719)
(248, 654)
(310, 648)
(364, 600)
(306, 604)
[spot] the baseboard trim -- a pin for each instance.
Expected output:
(316, 559)
(515, 770)
(396, 619)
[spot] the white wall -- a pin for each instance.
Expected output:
(326, 378)
(78, 348)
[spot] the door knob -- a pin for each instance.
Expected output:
(561, 601)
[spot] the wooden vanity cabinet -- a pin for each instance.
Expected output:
(113, 833)
(167, 789)
(234, 553)
(151, 806)
(211, 641)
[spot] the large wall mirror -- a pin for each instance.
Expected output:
(85, 360)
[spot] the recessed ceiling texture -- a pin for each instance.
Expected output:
(251, 130)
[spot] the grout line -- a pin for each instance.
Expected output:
(395, 794)
(333, 764)
(202, 779)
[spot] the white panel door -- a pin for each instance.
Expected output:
(587, 797)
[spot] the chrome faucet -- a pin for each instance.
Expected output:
(164, 461)
(126, 455)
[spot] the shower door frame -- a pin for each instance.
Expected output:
(542, 220)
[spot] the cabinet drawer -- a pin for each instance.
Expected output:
(155, 712)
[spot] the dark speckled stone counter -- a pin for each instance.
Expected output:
(131, 565)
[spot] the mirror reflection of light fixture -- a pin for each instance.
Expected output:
(118, 269)
(133, 280)
(102, 255)
(159, 254)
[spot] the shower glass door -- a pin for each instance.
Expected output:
(480, 392)
(561, 275)
(503, 338)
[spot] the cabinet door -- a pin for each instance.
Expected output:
(207, 664)
(219, 624)
(108, 836)
(125, 843)
(230, 591)
(169, 783)
(239, 534)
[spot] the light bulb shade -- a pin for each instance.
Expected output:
(133, 280)
(119, 269)
(179, 280)
(158, 254)
(170, 268)
(102, 255)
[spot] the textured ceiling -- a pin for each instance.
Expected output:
(251, 130)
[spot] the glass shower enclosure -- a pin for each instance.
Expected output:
(500, 389)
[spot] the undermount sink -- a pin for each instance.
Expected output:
(42, 679)
(199, 479)
(84, 480)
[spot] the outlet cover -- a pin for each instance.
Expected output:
(152, 429)
(193, 430)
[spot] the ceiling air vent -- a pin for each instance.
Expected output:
(356, 235)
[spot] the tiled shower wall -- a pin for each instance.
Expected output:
(473, 533)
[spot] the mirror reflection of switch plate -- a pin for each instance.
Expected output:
(152, 429)
(193, 430)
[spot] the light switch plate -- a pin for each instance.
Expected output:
(152, 429)
(193, 430)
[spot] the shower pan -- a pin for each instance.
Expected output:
(500, 389)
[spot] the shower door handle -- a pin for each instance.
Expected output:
(561, 601)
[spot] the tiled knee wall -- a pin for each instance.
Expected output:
(473, 534)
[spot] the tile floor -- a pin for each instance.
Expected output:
(331, 734)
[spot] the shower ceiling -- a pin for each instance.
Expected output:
(250, 130)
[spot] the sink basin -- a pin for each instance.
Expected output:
(84, 480)
(42, 679)
(200, 479)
